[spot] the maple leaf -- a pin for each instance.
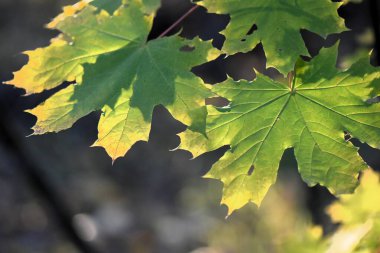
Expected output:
(130, 77)
(86, 34)
(266, 117)
(278, 25)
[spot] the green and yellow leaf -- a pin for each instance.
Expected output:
(266, 117)
(116, 70)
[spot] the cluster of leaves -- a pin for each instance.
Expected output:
(103, 50)
(266, 230)
(359, 216)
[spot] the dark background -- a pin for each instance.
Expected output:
(59, 195)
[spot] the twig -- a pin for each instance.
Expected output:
(178, 21)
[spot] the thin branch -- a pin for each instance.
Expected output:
(188, 13)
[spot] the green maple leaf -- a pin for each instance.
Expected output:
(266, 117)
(278, 26)
(126, 78)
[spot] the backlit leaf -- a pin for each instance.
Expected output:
(266, 117)
(278, 25)
(118, 72)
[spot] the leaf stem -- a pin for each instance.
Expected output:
(294, 77)
(290, 78)
(291, 81)
(188, 13)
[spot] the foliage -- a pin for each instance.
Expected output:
(359, 215)
(103, 51)
(266, 117)
(289, 230)
(266, 230)
(278, 26)
(145, 74)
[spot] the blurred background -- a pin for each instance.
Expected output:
(59, 195)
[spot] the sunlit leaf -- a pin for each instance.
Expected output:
(278, 24)
(118, 72)
(310, 114)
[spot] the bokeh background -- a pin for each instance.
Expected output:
(59, 195)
